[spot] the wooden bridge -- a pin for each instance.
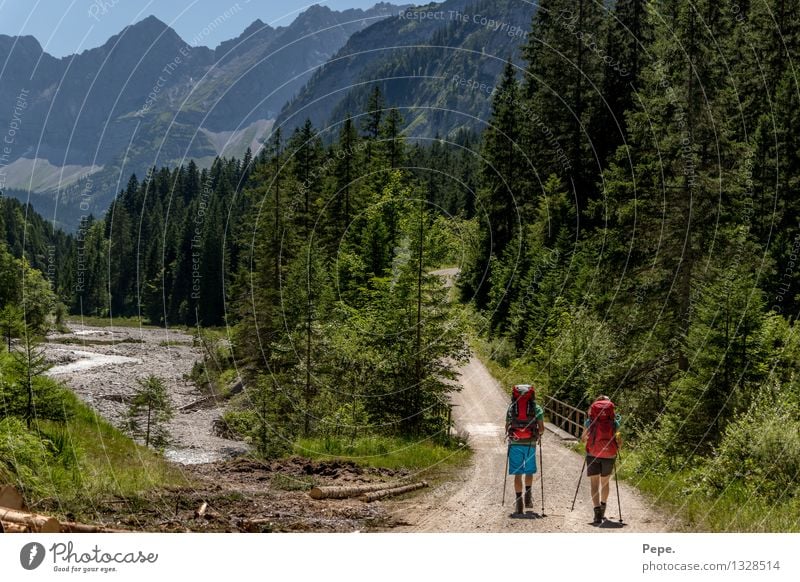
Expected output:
(565, 416)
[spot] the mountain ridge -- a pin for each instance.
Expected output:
(146, 97)
(414, 61)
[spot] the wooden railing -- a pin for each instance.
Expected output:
(565, 416)
(443, 411)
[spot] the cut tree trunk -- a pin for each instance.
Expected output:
(12, 528)
(344, 491)
(35, 523)
(374, 496)
(11, 498)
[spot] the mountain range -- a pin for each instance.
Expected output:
(438, 64)
(84, 123)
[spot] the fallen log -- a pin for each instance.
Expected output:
(35, 523)
(374, 496)
(11, 498)
(72, 527)
(12, 528)
(344, 491)
(197, 404)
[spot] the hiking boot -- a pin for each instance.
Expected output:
(603, 510)
(598, 516)
(519, 509)
(528, 497)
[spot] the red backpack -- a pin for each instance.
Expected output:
(602, 441)
(523, 425)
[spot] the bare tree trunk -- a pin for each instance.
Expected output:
(420, 260)
(276, 234)
(147, 435)
(307, 417)
(29, 358)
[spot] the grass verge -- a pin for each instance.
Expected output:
(704, 510)
(385, 452)
(81, 464)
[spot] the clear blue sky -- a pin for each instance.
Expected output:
(64, 27)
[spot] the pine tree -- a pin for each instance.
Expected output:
(562, 84)
(391, 139)
(372, 122)
(502, 197)
(627, 36)
(11, 323)
(307, 157)
(724, 343)
(121, 257)
(273, 430)
(346, 153)
(33, 364)
(422, 336)
(149, 412)
(765, 40)
(305, 302)
(666, 206)
(260, 275)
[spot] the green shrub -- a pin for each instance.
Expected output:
(238, 424)
(761, 449)
(502, 351)
(50, 400)
(25, 458)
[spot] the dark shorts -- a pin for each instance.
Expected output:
(598, 466)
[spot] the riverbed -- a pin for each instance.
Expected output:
(102, 364)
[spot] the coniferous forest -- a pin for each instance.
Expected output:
(625, 222)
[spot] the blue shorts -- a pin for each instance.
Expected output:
(521, 460)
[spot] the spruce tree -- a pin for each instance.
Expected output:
(307, 159)
(666, 205)
(371, 125)
(346, 153)
(501, 194)
(391, 139)
(627, 36)
(562, 84)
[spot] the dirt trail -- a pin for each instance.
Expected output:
(102, 364)
(473, 504)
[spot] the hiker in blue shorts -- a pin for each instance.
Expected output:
(524, 428)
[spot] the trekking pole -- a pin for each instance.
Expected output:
(579, 484)
(541, 474)
(505, 476)
(616, 482)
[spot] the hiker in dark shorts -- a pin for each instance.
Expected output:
(602, 444)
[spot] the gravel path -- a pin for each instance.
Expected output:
(101, 365)
(474, 504)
